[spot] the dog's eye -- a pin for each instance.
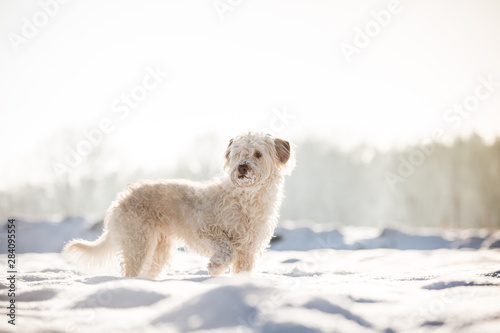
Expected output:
(257, 154)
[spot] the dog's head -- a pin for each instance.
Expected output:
(253, 158)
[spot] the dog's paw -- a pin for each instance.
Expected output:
(240, 270)
(242, 266)
(215, 269)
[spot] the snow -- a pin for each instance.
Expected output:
(313, 279)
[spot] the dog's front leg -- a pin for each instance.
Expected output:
(244, 261)
(223, 256)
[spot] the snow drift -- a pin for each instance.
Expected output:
(311, 280)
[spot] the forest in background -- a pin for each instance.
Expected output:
(455, 185)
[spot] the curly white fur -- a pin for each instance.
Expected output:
(230, 219)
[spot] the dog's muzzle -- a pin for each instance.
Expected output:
(243, 175)
(242, 171)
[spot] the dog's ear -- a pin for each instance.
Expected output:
(282, 149)
(286, 155)
(228, 151)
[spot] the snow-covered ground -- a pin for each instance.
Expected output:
(311, 280)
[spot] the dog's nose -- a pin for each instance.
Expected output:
(243, 169)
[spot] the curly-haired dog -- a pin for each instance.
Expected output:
(230, 219)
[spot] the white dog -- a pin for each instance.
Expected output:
(230, 219)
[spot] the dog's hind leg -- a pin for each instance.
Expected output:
(161, 255)
(137, 251)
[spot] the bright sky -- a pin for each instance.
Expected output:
(233, 74)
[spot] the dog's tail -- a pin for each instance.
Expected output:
(90, 256)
